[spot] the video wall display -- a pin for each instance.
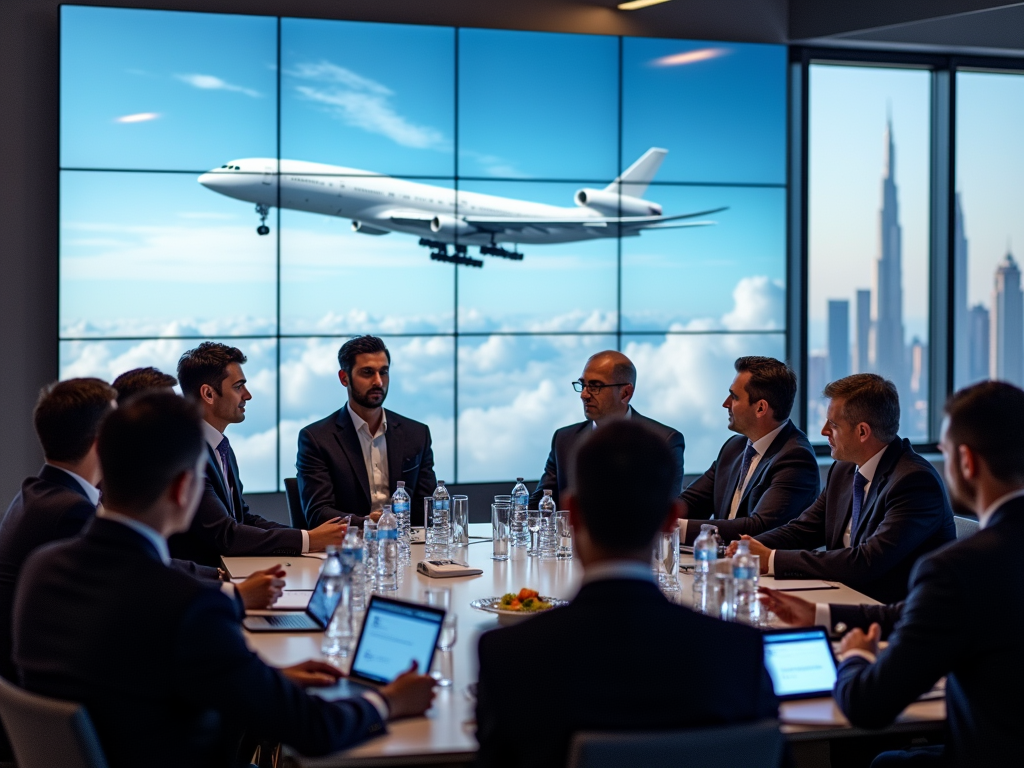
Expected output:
(498, 205)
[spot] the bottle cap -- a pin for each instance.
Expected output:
(440, 482)
(547, 493)
(400, 484)
(519, 479)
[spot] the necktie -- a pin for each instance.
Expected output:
(859, 481)
(748, 456)
(224, 450)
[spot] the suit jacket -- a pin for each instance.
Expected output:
(964, 619)
(158, 658)
(557, 470)
(587, 694)
(905, 515)
(332, 473)
(784, 483)
(215, 531)
(50, 507)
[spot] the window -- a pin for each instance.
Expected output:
(392, 150)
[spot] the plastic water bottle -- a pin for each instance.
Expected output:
(746, 608)
(338, 635)
(387, 551)
(519, 534)
(352, 561)
(370, 552)
(705, 553)
(401, 505)
(547, 543)
(439, 532)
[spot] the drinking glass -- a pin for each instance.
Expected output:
(725, 589)
(668, 572)
(441, 597)
(533, 522)
(460, 521)
(563, 530)
(371, 548)
(500, 514)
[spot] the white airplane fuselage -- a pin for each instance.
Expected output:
(378, 204)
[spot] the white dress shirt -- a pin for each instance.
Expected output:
(868, 469)
(375, 456)
(213, 437)
(91, 491)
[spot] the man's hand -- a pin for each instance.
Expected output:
(262, 589)
(375, 516)
(791, 610)
(756, 548)
(855, 639)
(331, 532)
(312, 673)
(410, 695)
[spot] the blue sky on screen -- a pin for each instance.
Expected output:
(165, 90)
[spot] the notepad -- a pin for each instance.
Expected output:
(795, 585)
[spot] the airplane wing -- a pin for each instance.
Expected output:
(516, 223)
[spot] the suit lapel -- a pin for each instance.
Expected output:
(732, 482)
(878, 482)
(837, 523)
(396, 452)
(217, 479)
(349, 442)
(236, 492)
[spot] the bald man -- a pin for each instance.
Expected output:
(606, 387)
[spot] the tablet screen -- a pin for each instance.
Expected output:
(394, 634)
(800, 663)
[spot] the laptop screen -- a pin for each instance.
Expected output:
(800, 662)
(394, 634)
(321, 605)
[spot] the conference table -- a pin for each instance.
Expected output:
(446, 734)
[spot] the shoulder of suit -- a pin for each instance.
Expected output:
(570, 429)
(326, 424)
(397, 419)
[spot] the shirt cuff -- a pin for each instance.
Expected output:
(868, 655)
(771, 564)
(823, 616)
(305, 541)
(378, 703)
(228, 589)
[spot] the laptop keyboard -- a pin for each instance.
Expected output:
(286, 621)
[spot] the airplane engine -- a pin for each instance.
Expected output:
(366, 229)
(449, 225)
(612, 204)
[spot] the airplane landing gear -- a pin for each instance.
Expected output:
(497, 250)
(263, 211)
(440, 253)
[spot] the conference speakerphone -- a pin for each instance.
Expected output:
(800, 662)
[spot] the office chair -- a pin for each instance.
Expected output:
(295, 513)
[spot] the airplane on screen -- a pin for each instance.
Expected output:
(378, 205)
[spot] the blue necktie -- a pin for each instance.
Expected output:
(224, 450)
(748, 456)
(859, 481)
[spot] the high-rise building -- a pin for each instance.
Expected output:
(862, 363)
(1007, 324)
(978, 351)
(888, 348)
(961, 321)
(838, 339)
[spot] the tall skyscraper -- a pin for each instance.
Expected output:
(978, 345)
(961, 321)
(1007, 330)
(862, 364)
(838, 339)
(888, 348)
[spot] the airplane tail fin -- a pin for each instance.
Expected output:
(639, 175)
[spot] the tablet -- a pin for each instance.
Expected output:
(395, 633)
(800, 662)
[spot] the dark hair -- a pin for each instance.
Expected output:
(359, 345)
(68, 414)
(771, 380)
(146, 444)
(869, 399)
(989, 419)
(206, 364)
(140, 380)
(621, 468)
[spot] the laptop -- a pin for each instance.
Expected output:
(394, 634)
(314, 619)
(800, 662)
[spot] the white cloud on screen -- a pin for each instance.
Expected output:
(362, 103)
(214, 83)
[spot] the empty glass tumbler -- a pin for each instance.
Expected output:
(563, 532)
(500, 516)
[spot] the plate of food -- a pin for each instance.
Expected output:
(517, 605)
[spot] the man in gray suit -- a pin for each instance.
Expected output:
(606, 387)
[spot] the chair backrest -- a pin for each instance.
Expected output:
(758, 743)
(965, 526)
(48, 733)
(295, 513)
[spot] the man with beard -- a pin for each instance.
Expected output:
(350, 462)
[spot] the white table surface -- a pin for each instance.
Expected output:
(446, 733)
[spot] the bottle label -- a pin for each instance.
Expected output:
(743, 572)
(400, 507)
(705, 554)
(387, 534)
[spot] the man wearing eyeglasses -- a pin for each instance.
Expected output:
(606, 387)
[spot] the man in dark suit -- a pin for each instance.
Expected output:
(838, 619)
(621, 465)
(606, 387)
(92, 613)
(883, 506)
(350, 462)
(767, 474)
(964, 616)
(131, 383)
(212, 375)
